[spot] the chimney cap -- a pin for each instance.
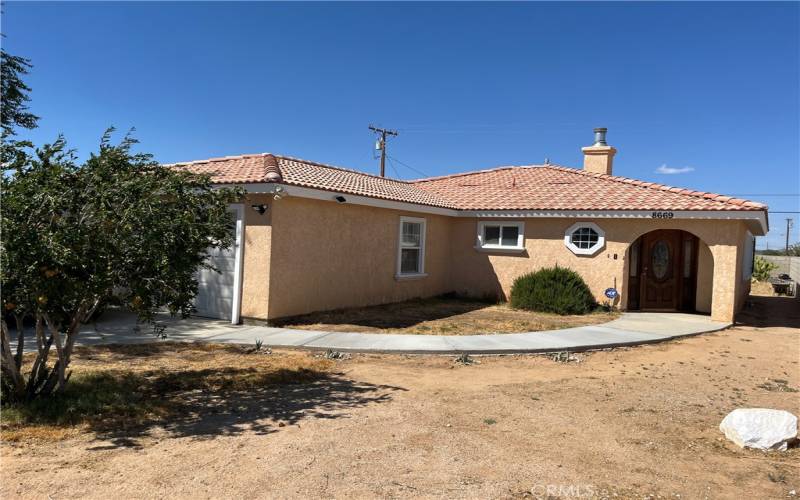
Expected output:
(600, 136)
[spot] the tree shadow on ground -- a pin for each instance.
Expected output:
(262, 408)
(121, 407)
(765, 312)
(389, 316)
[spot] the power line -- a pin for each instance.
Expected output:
(420, 172)
(394, 169)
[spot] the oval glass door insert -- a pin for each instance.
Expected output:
(661, 259)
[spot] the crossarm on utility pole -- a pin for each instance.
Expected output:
(383, 133)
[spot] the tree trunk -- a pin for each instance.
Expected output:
(42, 381)
(58, 378)
(40, 334)
(10, 368)
(39, 373)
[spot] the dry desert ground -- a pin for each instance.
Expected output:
(629, 423)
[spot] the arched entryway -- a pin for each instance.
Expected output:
(663, 272)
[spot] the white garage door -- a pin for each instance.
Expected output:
(218, 294)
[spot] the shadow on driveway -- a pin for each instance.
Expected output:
(766, 312)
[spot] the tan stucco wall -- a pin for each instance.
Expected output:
(257, 258)
(705, 278)
(478, 273)
(307, 255)
(327, 256)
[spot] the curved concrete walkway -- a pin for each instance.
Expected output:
(631, 329)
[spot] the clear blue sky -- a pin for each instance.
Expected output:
(709, 88)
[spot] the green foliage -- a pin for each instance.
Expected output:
(555, 290)
(14, 112)
(762, 268)
(118, 227)
(792, 251)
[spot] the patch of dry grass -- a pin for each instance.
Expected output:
(762, 289)
(441, 316)
(117, 387)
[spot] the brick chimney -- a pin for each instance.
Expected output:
(599, 157)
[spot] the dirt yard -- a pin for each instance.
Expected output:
(441, 316)
(630, 423)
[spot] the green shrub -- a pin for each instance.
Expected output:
(762, 268)
(555, 290)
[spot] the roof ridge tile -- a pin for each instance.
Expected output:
(464, 174)
(342, 169)
(215, 159)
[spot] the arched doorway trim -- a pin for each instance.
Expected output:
(662, 270)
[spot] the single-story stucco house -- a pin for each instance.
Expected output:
(314, 237)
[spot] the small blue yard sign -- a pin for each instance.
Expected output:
(611, 293)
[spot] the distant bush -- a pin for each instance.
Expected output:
(792, 251)
(555, 290)
(762, 268)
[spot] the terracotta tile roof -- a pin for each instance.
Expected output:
(231, 169)
(267, 167)
(533, 187)
(552, 187)
(316, 175)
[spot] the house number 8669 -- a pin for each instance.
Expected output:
(662, 215)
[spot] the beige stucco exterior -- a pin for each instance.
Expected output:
(257, 258)
(327, 256)
(307, 255)
(720, 289)
(599, 159)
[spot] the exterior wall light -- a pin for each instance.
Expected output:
(260, 208)
(279, 193)
(340, 199)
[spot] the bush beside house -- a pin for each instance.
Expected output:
(556, 290)
(762, 269)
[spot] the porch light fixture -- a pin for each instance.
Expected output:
(279, 193)
(261, 208)
(340, 199)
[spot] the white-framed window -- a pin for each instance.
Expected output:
(411, 248)
(501, 235)
(584, 238)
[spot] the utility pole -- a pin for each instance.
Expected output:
(382, 144)
(788, 230)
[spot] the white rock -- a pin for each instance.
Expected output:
(760, 428)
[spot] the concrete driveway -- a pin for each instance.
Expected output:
(116, 327)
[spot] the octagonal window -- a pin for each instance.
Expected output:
(584, 238)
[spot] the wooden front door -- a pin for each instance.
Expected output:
(661, 264)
